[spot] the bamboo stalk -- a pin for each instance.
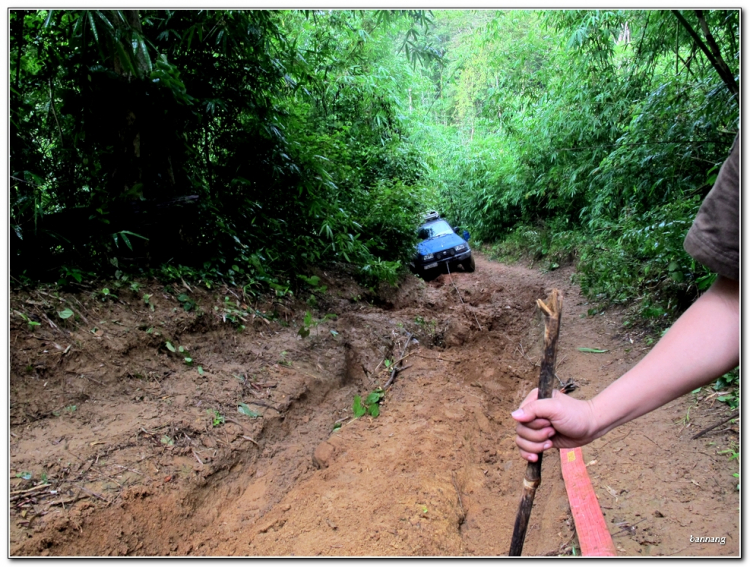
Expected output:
(551, 312)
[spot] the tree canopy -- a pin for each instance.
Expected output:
(228, 142)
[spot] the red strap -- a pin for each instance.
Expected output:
(593, 534)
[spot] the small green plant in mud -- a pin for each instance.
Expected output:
(729, 385)
(237, 313)
(216, 418)
(313, 282)
(65, 314)
(147, 300)
(67, 274)
(187, 303)
(281, 290)
(316, 289)
(106, 294)
(29, 322)
(309, 323)
(283, 360)
(67, 409)
(233, 313)
(734, 453)
(428, 327)
(371, 404)
(181, 350)
(685, 421)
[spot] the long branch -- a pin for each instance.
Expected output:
(713, 46)
(718, 64)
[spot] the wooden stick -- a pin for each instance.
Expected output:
(722, 422)
(37, 487)
(551, 312)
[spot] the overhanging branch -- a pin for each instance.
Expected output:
(713, 55)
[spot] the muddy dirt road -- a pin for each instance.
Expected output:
(126, 438)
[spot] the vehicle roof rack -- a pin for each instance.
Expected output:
(432, 215)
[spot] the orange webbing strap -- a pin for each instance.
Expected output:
(593, 534)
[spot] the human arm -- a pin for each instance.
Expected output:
(701, 345)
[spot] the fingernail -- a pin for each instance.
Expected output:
(518, 413)
(547, 445)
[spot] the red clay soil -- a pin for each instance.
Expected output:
(118, 446)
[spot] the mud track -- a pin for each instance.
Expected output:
(124, 448)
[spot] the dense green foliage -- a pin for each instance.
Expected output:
(596, 138)
(242, 145)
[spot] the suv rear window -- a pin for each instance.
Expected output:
(433, 229)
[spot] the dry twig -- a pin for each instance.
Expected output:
(395, 365)
(37, 487)
(714, 426)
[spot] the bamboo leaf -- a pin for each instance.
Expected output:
(124, 57)
(93, 25)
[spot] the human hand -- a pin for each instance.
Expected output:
(559, 421)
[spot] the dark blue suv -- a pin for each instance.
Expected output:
(440, 246)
